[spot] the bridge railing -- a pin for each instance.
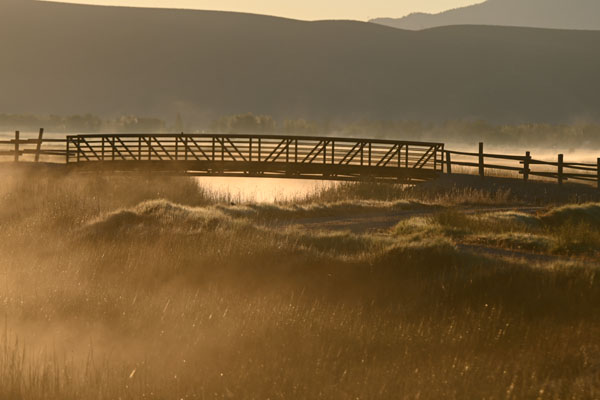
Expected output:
(255, 148)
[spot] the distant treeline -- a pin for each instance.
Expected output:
(87, 123)
(576, 135)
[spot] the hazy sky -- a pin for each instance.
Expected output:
(303, 9)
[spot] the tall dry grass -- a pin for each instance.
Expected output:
(129, 287)
(467, 190)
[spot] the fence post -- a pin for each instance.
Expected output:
(481, 164)
(449, 163)
(68, 150)
(560, 168)
(526, 166)
(598, 168)
(38, 149)
(17, 136)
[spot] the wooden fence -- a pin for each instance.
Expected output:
(524, 165)
(312, 157)
(19, 149)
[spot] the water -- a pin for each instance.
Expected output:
(262, 190)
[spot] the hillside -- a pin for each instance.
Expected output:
(557, 14)
(68, 59)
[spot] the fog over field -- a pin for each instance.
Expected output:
(202, 204)
(140, 286)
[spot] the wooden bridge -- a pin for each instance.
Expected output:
(297, 157)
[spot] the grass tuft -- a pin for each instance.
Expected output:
(588, 213)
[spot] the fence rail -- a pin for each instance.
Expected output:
(15, 148)
(286, 156)
(524, 165)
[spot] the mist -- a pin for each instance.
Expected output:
(200, 204)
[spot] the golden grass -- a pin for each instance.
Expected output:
(466, 190)
(453, 195)
(119, 287)
(565, 230)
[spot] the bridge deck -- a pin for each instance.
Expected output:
(299, 157)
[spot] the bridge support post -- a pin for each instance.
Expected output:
(332, 152)
(112, 146)
(185, 143)
(250, 149)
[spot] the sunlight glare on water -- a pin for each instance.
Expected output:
(262, 190)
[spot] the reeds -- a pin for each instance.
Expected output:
(146, 287)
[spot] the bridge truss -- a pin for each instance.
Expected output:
(298, 157)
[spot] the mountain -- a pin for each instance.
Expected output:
(67, 59)
(555, 14)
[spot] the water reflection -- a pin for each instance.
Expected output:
(262, 190)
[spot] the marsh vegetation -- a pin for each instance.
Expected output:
(130, 287)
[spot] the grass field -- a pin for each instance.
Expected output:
(139, 287)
